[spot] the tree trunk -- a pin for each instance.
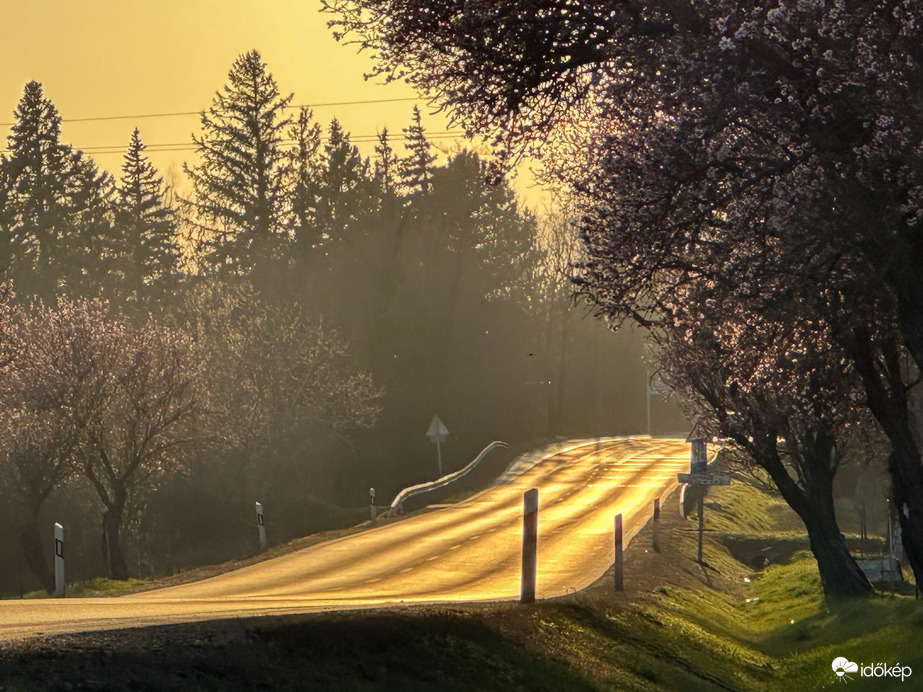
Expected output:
(112, 548)
(907, 490)
(839, 573)
(30, 541)
(887, 400)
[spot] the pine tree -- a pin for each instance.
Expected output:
(386, 164)
(56, 205)
(305, 165)
(36, 201)
(239, 196)
(345, 191)
(345, 188)
(145, 232)
(89, 256)
(416, 167)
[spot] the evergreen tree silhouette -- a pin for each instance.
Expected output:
(238, 206)
(345, 190)
(305, 165)
(56, 206)
(386, 164)
(416, 167)
(146, 249)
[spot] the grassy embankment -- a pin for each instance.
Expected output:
(677, 626)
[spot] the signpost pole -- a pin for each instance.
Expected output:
(529, 545)
(437, 432)
(59, 586)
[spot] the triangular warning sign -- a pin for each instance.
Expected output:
(437, 431)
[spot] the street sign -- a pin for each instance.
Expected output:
(699, 462)
(703, 479)
(437, 431)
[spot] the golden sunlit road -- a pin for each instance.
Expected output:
(470, 551)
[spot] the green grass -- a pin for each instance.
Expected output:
(98, 586)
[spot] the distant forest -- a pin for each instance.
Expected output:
(284, 333)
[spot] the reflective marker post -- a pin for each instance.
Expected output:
(372, 503)
(261, 526)
(529, 545)
(619, 584)
(656, 533)
(58, 561)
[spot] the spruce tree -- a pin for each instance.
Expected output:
(88, 256)
(305, 165)
(145, 233)
(386, 164)
(36, 208)
(345, 189)
(238, 206)
(416, 167)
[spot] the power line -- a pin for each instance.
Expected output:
(188, 146)
(188, 113)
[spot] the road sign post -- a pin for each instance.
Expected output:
(437, 433)
(698, 465)
(529, 545)
(59, 586)
(617, 568)
(261, 526)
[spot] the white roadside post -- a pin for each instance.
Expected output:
(618, 564)
(58, 561)
(372, 504)
(261, 526)
(529, 545)
(437, 433)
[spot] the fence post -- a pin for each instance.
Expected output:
(529, 545)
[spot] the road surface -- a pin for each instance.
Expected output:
(469, 551)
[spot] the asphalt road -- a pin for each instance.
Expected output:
(469, 551)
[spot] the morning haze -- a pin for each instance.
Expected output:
(275, 339)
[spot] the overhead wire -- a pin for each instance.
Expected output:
(173, 147)
(362, 102)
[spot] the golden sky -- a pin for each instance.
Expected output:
(104, 58)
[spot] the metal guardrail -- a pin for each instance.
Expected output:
(398, 502)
